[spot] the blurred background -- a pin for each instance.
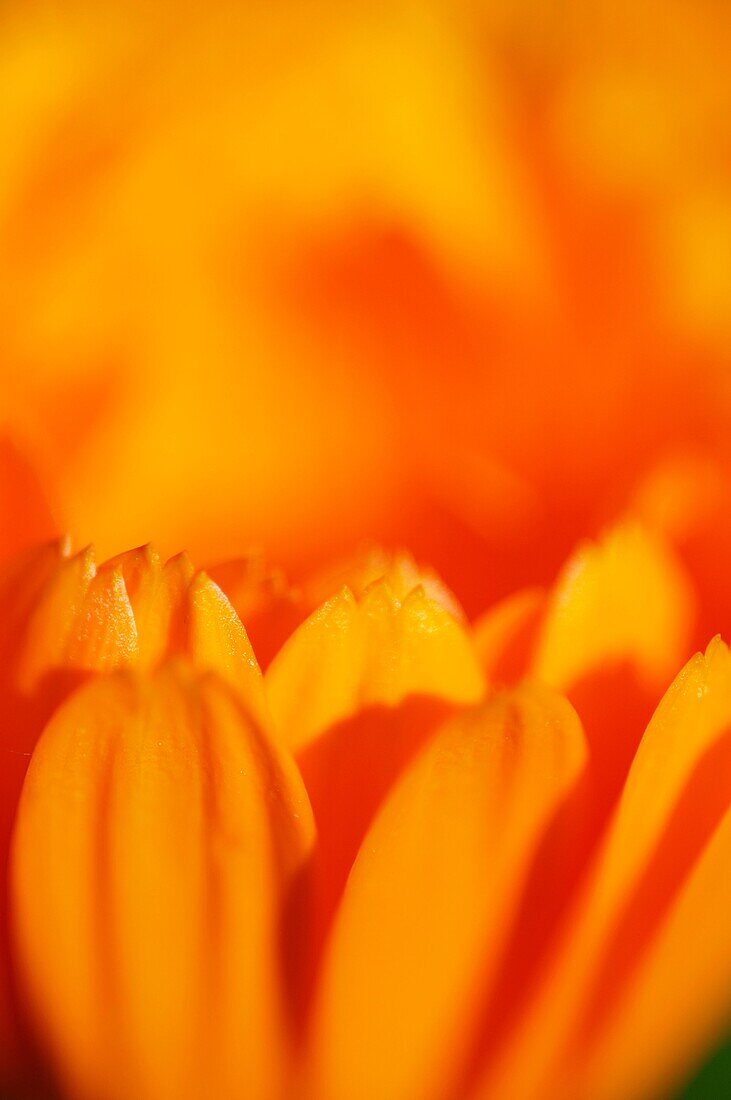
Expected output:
(449, 275)
(453, 275)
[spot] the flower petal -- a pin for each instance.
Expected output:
(679, 1001)
(267, 605)
(429, 902)
(381, 650)
(53, 620)
(400, 570)
(355, 691)
(677, 792)
(217, 640)
(615, 631)
(141, 571)
(162, 628)
(22, 579)
(159, 840)
(592, 619)
(104, 634)
(505, 636)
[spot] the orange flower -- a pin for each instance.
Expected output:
(312, 824)
(502, 894)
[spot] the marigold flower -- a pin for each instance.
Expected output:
(400, 864)
(288, 287)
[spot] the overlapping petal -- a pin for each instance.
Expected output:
(653, 871)
(359, 686)
(431, 897)
(159, 850)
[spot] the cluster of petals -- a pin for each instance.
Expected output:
(413, 858)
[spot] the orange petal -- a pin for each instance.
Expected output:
(22, 579)
(315, 679)
(351, 654)
(54, 619)
(676, 793)
(217, 640)
(141, 571)
(593, 615)
(267, 605)
(616, 629)
(104, 634)
(159, 843)
(347, 773)
(355, 691)
(400, 570)
(679, 1000)
(431, 897)
(506, 635)
(162, 626)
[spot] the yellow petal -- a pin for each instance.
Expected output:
(268, 606)
(615, 630)
(217, 640)
(670, 806)
(162, 628)
(350, 654)
(593, 617)
(679, 1001)
(159, 844)
(141, 571)
(104, 634)
(430, 900)
(400, 570)
(314, 680)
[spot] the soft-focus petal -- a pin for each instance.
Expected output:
(622, 599)
(355, 691)
(505, 636)
(217, 640)
(610, 634)
(676, 795)
(54, 618)
(429, 902)
(399, 569)
(268, 606)
(104, 635)
(22, 578)
(378, 650)
(160, 840)
(162, 625)
(25, 517)
(677, 1004)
